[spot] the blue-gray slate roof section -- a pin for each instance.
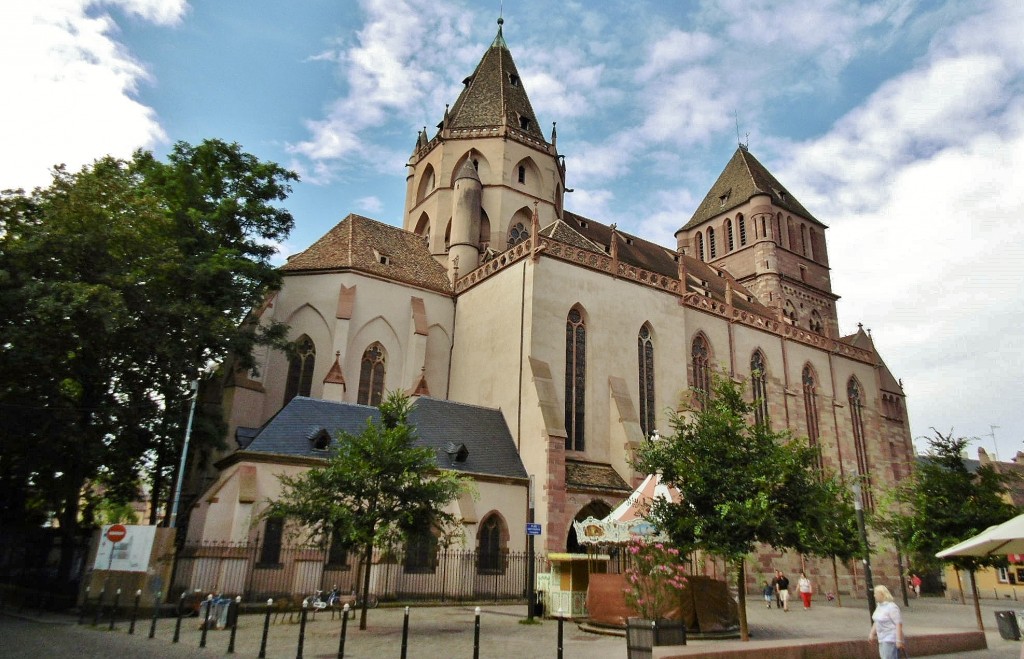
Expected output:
(442, 425)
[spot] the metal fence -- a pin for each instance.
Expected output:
(444, 575)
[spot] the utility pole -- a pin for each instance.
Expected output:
(858, 505)
(184, 453)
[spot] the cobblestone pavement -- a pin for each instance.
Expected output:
(448, 633)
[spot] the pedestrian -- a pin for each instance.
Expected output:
(775, 590)
(804, 586)
(887, 625)
(769, 594)
(782, 588)
(915, 583)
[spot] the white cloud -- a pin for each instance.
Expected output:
(73, 86)
(370, 204)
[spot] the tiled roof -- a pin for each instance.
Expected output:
(741, 179)
(589, 234)
(594, 475)
(494, 95)
(359, 243)
(439, 425)
(861, 339)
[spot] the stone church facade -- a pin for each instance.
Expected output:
(583, 336)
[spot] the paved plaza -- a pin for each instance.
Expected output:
(447, 632)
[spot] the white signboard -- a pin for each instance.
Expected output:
(130, 554)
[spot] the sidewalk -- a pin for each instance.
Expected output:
(448, 632)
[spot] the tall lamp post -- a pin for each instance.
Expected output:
(184, 454)
(858, 505)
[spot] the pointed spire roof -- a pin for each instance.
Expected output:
(741, 179)
(494, 95)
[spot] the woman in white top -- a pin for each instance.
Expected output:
(804, 586)
(887, 625)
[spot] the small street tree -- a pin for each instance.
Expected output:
(830, 528)
(946, 503)
(376, 489)
(740, 483)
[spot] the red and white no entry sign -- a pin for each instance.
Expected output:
(116, 533)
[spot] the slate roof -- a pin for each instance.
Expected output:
(359, 243)
(743, 177)
(494, 95)
(586, 233)
(594, 475)
(440, 424)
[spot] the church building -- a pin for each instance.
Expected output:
(569, 340)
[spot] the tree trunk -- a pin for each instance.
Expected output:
(977, 602)
(69, 525)
(367, 558)
(835, 581)
(741, 590)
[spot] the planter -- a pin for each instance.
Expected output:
(643, 635)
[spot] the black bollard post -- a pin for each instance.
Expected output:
(135, 612)
(302, 628)
(177, 623)
(156, 612)
(206, 620)
(476, 634)
(266, 630)
(113, 609)
(561, 621)
(234, 622)
(344, 629)
(99, 608)
(405, 633)
(85, 603)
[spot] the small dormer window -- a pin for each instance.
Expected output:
(629, 241)
(583, 224)
(513, 80)
(383, 259)
(467, 80)
(319, 438)
(724, 197)
(524, 123)
(457, 452)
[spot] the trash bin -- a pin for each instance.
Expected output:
(1008, 629)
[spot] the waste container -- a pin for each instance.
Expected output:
(1008, 629)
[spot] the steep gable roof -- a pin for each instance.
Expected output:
(494, 94)
(439, 424)
(359, 243)
(861, 339)
(744, 177)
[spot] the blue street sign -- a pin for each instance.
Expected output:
(533, 529)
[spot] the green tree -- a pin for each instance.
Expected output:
(118, 283)
(946, 503)
(376, 489)
(830, 528)
(740, 483)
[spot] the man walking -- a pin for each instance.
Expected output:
(782, 587)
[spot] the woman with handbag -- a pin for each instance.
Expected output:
(887, 625)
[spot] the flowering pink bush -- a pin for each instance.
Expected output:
(655, 577)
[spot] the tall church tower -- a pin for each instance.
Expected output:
(473, 185)
(752, 227)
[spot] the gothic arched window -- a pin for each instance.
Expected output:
(700, 246)
(491, 546)
(742, 225)
(816, 323)
(517, 233)
(701, 357)
(575, 379)
(853, 395)
(300, 370)
(645, 366)
(811, 407)
(729, 242)
(712, 248)
(372, 369)
(758, 385)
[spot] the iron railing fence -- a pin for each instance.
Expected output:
(444, 575)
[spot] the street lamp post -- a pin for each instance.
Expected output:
(184, 454)
(858, 505)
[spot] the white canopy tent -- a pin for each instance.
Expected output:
(1006, 538)
(627, 521)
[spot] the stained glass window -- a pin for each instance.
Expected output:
(645, 363)
(371, 376)
(517, 234)
(811, 408)
(300, 370)
(701, 369)
(575, 379)
(758, 384)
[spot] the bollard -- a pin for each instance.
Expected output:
(85, 603)
(99, 608)
(135, 612)
(266, 629)
(344, 629)
(405, 633)
(206, 620)
(302, 628)
(113, 609)
(156, 612)
(476, 634)
(561, 621)
(177, 623)
(234, 623)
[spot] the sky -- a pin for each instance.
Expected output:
(898, 123)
